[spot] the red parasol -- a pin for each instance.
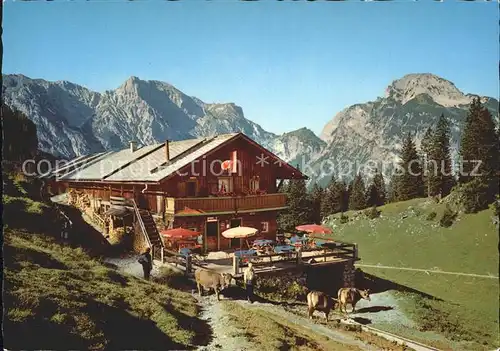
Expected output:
(314, 229)
(179, 233)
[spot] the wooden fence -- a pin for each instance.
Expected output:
(341, 252)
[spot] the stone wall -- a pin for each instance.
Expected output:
(294, 284)
(139, 243)
(349, 275)
(285, 286)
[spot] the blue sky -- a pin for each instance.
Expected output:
(288, 64)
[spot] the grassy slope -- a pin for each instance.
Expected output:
(273, 333)
(63, 298)
(470, 246)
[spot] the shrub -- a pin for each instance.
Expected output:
(296, 291)
(447, 218)
(282, 288)
(475, 196)
(372, 212)
(431, 216)
(344, 218)
(496, 206)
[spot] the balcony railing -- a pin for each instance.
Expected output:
(227, 204)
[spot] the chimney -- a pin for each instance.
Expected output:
(167, 150)
(133, 146)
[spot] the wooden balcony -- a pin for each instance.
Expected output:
(228, 204)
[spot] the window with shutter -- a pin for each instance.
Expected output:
(264, 227)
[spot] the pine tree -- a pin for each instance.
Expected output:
(344, 196)
(410, 182)
(299, 209)
(334, 200)
(327, 203)
(20, 140)
(479, 143)
(348, 193)
(316, 198)
(376, 194)
(440, 179)
(392, 189)
(426, 149)
(357, 199)
(479, 150)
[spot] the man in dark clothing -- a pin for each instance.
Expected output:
(147, 263)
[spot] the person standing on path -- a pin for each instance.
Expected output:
(147, 263)
(249, 280)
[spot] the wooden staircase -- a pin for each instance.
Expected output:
(149, 230)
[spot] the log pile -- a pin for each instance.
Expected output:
(79, 199)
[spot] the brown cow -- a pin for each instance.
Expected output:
(317, 300)
(212, 280)
(351, 296)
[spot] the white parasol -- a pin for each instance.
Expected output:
(239, 233)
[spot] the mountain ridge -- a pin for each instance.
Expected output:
(373, 131)
(73, 120)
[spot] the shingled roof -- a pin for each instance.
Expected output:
(145, 164)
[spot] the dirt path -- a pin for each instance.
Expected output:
(428, 271)
(130, 265)
(226, 335)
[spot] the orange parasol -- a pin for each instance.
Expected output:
(179, 233)
(314, 229)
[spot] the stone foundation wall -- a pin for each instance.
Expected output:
(294, 285)
(139, 243)
(287, 286)
(349, 275)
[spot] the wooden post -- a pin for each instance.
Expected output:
(236, 265)
(299, 256)
(188, 264)
(355, 251)
(324, 253)
(162, 257)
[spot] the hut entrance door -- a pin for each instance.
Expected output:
(143, 202)
(212, 235)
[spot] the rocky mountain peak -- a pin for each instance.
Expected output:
(83, 121)
(228, 110)
(439, 89)
(303, 133)
(131, 86)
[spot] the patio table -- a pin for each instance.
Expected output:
(263, 242)
(319, 243)
(185, 251)
(284, 248)
(295, 239)
(244, 253)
